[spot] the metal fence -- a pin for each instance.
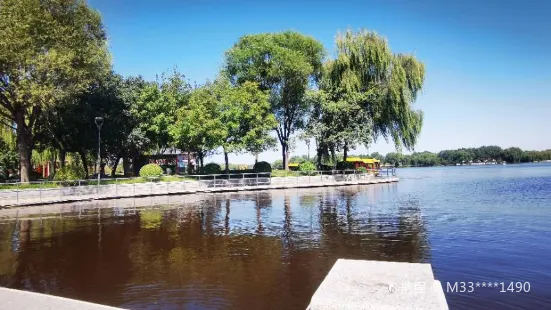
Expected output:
(58, 191)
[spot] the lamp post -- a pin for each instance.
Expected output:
(99, 122)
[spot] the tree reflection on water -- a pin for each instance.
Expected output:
(237, 250)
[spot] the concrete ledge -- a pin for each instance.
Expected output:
(173, 188)
(360, 284)
(23, 300)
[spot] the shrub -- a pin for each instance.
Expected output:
(211, 168)
(278, 164)
(326, 167)
(362, 169)
(69, 173)
(307, 168)
(262, 166)
(345, 165)
(236, 167)
(151, 171)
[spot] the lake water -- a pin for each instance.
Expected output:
(271, 249)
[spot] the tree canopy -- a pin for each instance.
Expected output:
(236, 118)
(483, 154)
(285, 64)
(48, 50)
(366, 92)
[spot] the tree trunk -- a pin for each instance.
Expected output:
(24, 146)
(126, 166)
(333, 156)
(284, 153)
(62, 156)
(287, 158)
(319, 153)
(226, 161)
(188, 163)
(54, 162)
(345, 151)
(201, 156)
(25, 151)
(255, 158)
(135, 171)
(84, 164)
(114, 168)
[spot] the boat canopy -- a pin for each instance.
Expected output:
(364, 160)
(293, 165)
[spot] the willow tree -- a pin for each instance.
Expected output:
(48, 50)
(285, 65)
(367, 92)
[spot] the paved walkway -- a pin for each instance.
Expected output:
(23, 300)
(113, 191)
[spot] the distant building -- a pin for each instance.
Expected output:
(175, 160)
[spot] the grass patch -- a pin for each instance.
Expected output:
(13, 186)
(283, 173)
(89, 182)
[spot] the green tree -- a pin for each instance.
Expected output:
(8, 159)
(198, 126)
(69, 126)
(284, 64)
(48, 50)
(137, 142)
(369, 92)
(513, 154)
(277, 164)
(245, 112)
(393, 158)
(377, 155)
(156, 108)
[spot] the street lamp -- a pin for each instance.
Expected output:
(99, 122)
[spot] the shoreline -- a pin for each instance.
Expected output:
(150, 189)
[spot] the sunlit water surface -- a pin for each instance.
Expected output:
(271, 249)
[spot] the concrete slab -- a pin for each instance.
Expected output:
(23, 300)
(361, 284)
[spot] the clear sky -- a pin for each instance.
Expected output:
(488, 62)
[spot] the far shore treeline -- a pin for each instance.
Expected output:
(463, 156)
(56, 77)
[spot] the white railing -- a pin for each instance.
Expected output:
(54, 191)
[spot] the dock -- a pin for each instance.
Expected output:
(363, 284)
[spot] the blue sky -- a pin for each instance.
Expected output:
(488, 66)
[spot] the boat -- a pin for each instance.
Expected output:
(504, 163)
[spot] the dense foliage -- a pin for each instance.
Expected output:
(49, 51)
(482, 154)
(69, 173)
(366, 92)
(262, 166)
(277, 164)
(284, 64)
(307, 167)
(151, 171)
(211, 168)
(9, 160)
